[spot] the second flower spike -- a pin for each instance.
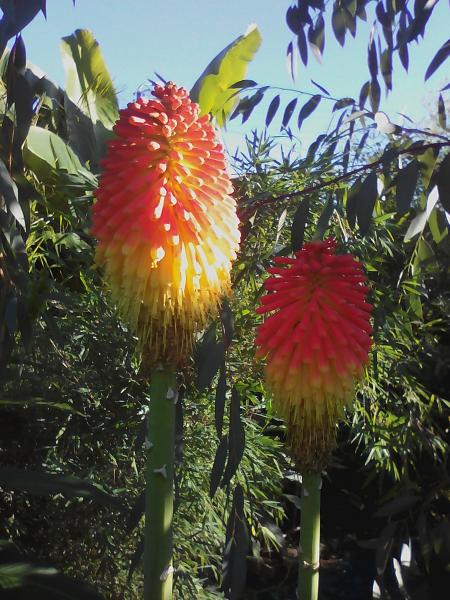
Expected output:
(316, 342)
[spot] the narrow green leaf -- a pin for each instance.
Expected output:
(438, 225)
(443, 182)
(375, 95)
(243, 84)
(218, 466)
(299, 224)
(236, 439)
(288, 112)
(271, 111)
(236, 546)
(352, 201)
(321, 88)
(308, 108)
(416, 226)
(367, 196)
(219, 404)
(386, 67)
(364, 94)
(372, 59)
(342, 103)
(316, 38)
(8, 190)
(291, 61)
(441, 55)
(302, 46)
(324, 219)
(442, 117)
(338, 24)
(406, 186)
(293, 19)
(208, 356)
(247, 104)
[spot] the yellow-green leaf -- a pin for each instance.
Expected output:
(90, 98)
(88, 83)
(212, 89)
(45, 153)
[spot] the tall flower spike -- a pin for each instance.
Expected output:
(165, 221)
(316, 343)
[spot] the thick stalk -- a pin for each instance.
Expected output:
(158, 570)
(309, 550)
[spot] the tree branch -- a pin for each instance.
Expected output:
(324, 184)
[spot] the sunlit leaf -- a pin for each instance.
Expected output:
(212, 89)
(89, 88)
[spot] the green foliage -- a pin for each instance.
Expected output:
(89, 88)
(217, 87)
(73, 399)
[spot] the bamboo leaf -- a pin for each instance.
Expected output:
(386, 67)
(291, 61)
(321, 88)
(302, 46)
(338, 24)
(236, 545)
(441, 55)
(406, 186)
(308, 108)
(443, 182)
(299, 224)
(271, 111)
(8, 190)
(316, 38)
(375, 95)
(221, 391)
(208, 357)
(288, 112)
(442, 118)
(324, 219)
(218, 466)
(367, 196)
(236, 439)
(343, 103)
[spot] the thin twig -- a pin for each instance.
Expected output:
(323, 184)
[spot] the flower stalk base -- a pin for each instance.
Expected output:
(160, 453)
(309, 550)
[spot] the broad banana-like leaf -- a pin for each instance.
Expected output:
(88, 87)
(212, 89)
(45, 153)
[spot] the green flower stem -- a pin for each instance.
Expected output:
(160, 450)
(309, 550)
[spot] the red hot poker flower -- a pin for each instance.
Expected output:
(316, 342)
(165, 221)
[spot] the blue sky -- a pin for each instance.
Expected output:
(178, 38)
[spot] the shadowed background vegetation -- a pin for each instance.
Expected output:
(73, 393)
